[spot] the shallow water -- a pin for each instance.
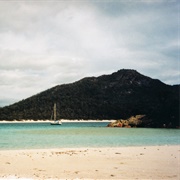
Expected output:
(81, 134)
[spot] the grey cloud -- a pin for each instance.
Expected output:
(45, 43)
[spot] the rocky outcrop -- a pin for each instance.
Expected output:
(133, 121)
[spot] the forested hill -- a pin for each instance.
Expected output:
(119, 95)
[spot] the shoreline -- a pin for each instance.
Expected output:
(95, 147)
(134, 162)
(49, 121)
(81, 148)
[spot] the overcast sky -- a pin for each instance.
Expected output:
(45, 43)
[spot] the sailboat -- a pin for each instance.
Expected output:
(55, 122)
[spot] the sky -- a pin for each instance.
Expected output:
(46, 43)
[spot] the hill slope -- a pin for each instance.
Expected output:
(119, 95)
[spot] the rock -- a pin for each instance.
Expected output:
(136, 120)
(133, 121)
(119, 125)
(128, 126)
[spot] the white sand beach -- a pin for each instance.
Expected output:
(150, 162)
(49, 121)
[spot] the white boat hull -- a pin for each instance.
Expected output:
(56, 123)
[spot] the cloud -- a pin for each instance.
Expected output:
(45, 43)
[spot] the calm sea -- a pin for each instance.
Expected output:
(81, 134)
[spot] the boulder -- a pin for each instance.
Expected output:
(133, 121)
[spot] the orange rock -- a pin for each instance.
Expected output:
(119, 125)
(128, 126)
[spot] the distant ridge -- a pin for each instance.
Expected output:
(119, 95)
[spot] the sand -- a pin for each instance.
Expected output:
(150, 162)
(49, 121)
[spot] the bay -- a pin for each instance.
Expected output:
(81, 134)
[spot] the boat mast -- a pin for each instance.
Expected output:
(54, 111)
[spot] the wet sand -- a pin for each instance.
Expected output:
(146, 162)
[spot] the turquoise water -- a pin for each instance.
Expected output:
(81, 134)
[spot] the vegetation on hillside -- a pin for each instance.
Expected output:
(117, 96)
